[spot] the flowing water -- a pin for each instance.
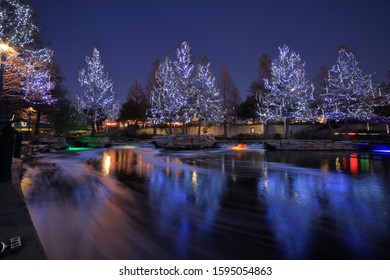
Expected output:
(137, 202)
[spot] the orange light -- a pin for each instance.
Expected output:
(111, 123)
(240, 147)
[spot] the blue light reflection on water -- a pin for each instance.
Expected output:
(171, 193)
(290, 211)
(184, 199)
(297, 199)
(220, 204)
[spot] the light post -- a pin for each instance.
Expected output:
(3, 52)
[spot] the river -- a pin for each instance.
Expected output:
(138, 202)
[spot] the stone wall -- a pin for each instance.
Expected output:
(214, 130)
(272, 129)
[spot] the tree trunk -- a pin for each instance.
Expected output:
(329, 128)
(199, 127)
(265, 129)
(38, 123)
(346, 129)
(94, 123)
(93, 132)
(224, 130)
(286, 128)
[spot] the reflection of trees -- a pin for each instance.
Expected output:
(184, 199)
(184, 202)
(296, 198)
(360, 211)
(291, 209)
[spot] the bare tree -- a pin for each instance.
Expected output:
(230, 97)
(136, 105)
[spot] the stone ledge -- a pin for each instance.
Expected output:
(185, 142)
(310, 145)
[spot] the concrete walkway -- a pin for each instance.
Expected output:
(15, 220)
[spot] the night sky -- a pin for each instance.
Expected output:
(131, 34)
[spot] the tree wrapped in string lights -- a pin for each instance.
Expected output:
(165, 99)
(185, 73)
(289, 91)
(349, 94)
(37, 81)
(17, 28)
(184, 91)
(208, 103)
(98, 101)
(25, 68)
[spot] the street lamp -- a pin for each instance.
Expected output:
(4, 49)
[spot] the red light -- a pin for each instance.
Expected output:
(353, 163)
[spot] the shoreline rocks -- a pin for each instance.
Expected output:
(310, 145)
(185, 142)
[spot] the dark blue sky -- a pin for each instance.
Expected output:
(133, 33)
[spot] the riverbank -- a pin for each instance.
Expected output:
(15, 221)
(297, 144)
(190, 142)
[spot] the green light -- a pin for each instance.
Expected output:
(364, 164)
(78, 149)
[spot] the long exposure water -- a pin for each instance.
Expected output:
(137, 202)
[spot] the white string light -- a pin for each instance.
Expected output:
(98, 100)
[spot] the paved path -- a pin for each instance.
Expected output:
(15, 220)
